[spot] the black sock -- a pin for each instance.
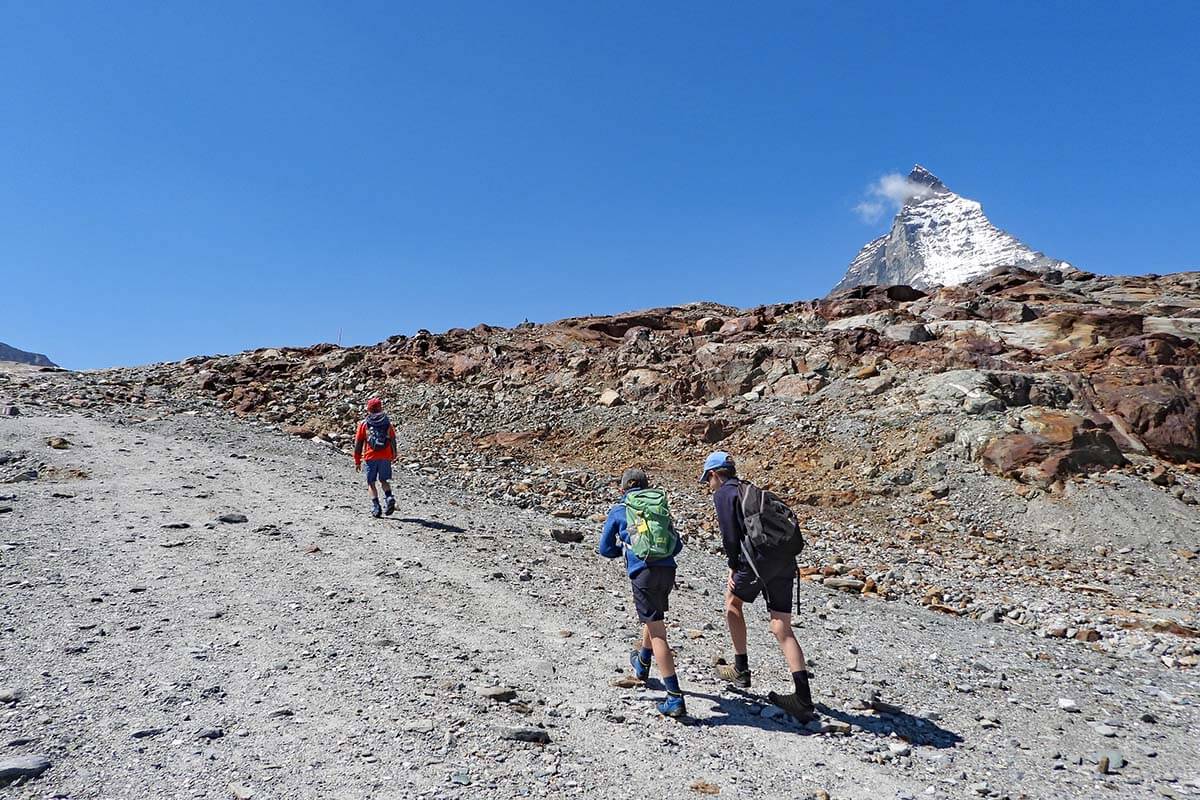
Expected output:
(389, 495)
(802, 691)
(741, 662)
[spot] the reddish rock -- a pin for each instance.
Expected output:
(741, 325)
(794, 387)
(1052, 446)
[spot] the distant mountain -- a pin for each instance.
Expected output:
(8, 353)
(939, 238)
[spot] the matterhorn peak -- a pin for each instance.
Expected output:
(924, 177)
(939, 238)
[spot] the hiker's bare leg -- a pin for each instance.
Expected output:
(735, 620)
(656, 632)
(373, 492)
(781, 626)
(647, 644)
(387, 487)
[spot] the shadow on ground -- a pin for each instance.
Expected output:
(738, 708)
(432, 524)
(914, 730)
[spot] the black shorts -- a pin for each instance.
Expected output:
(652, 592)
(747, 587)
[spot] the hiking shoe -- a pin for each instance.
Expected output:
(673, 706)
(799, 710)
(640, 671)
(391, 506)
(731, 674)
(376, 511)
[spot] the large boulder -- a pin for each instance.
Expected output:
(1050, 446)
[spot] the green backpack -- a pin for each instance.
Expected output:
(648, 522)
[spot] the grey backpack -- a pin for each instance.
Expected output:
(377, 431)
(771, 527)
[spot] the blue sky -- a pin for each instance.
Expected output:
(185, 178)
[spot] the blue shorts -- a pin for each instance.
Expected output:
(379, 469)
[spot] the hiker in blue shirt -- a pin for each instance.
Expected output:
(640, 528)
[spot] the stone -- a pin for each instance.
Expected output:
(240, 791)
(498, 694)
(1106, 731)
(609, 398)
(795, 387)
(1087, 635)
(899, 748)
(848, 584)
(526, 734)
(12, 411)
(11, 695)
(210, 733)
(566, 535)
(58, 443)
(17, 767)
(146, 733)
(911, 333)
(1108, 761)
(418, 726)
(1068, 705)
(233, 518)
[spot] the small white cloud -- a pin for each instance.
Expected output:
(889, 193)
(870, 210)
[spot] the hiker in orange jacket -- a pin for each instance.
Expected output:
(375, 443)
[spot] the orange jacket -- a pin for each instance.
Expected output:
(363, 450)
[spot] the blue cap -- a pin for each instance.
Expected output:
(718, 460)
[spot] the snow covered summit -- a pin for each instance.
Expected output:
(939, 238)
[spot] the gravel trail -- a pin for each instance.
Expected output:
(313, 652)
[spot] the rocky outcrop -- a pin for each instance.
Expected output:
(1037, 376)
(9, 353)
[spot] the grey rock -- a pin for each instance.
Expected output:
(499, 694)
(233, 518)
(522, 734)
(145, 733)
(22, 767)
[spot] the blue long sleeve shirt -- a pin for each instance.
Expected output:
(615, 539)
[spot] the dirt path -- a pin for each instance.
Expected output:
(342, 657)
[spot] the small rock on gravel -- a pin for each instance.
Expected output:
(500, 694)
(22, 767)
(566, 535)
(233, 519)
(535, 735)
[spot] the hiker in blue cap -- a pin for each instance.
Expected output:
(639, 527)
(753, 571)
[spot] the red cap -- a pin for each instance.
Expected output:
(374, 404)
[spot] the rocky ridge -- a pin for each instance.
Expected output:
(9, 353)
(1024, 447)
